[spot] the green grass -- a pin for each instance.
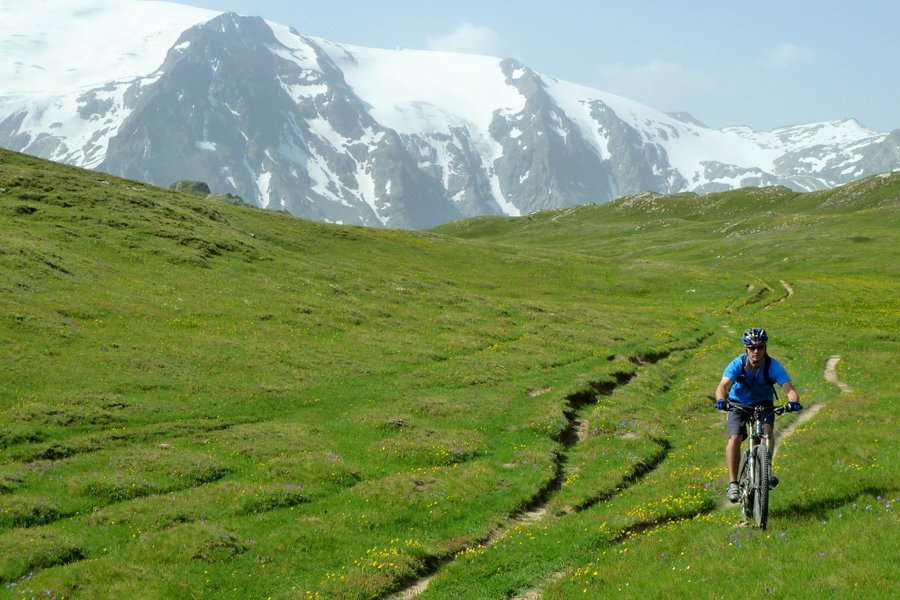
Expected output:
(206, 400)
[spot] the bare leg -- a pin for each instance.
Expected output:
(733, 455)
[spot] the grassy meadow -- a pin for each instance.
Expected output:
(204, 400)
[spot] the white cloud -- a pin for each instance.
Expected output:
(472, 39)
(785, 56)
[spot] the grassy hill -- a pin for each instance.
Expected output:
(200, 399)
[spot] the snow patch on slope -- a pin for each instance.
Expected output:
(101, 45)
(419, 91)
(73, 61)
(688, 146)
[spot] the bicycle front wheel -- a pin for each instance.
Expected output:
(746, 486)
(762, 468)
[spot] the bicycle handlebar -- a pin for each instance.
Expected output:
(776, 410)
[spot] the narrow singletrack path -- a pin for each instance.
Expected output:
(788, 287)
(804, 416)
(538, 511)
(831, 374)
(574, 433)
(789, 291)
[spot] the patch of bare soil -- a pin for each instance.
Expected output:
(412, 591)
(831, 374)
(788, 287)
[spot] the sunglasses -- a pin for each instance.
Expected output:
(752, 348)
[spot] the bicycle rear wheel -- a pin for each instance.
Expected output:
(746, 489)
(762, 473)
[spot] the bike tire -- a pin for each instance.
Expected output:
(763, 472)
(746, 489)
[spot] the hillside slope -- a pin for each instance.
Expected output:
(229, 402)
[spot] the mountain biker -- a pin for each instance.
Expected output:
(749, 380)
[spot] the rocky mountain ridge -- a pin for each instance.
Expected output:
(404, 138)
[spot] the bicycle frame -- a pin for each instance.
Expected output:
(758, 433)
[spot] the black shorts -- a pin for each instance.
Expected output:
(736, 421)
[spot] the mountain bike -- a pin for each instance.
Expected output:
(756, 465)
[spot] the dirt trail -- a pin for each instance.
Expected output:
(809, 412)
(830, 375)
(413, 591)
(806, 415)
(787, 286)
(577, 429)
(575, 432)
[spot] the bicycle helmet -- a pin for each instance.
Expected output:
(756, 336)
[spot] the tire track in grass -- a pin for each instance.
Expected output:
(760, 294)
(789, 291)
(534, 510)
(810, 411)
(574, 432)
(830, 375)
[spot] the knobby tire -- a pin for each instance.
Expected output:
(763, 472)
(746, 489)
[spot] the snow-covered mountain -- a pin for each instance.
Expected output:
(160, 92)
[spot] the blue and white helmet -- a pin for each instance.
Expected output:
(756, 336)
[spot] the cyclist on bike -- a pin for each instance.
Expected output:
(749, 380)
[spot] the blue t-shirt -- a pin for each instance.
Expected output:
(754, 389)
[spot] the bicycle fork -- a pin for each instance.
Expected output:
(757, 438)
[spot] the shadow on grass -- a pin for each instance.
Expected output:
(819, 509)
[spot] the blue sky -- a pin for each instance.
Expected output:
(765, 64)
